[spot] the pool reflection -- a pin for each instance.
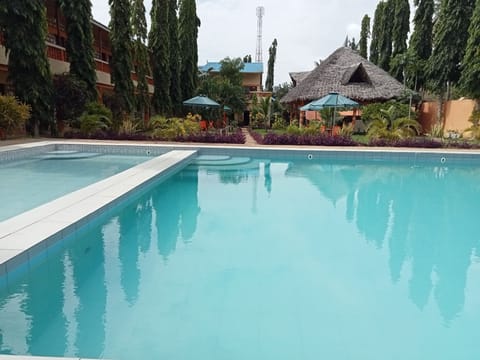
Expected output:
(383, 202)
(64, 305)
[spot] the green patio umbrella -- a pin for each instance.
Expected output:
(332, 100)
(202, 102)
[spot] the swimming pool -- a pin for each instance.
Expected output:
(266, 259)
(35, 180)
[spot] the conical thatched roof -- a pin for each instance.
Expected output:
(349, 74)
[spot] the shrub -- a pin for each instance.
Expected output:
(421, 142)
(129, 126)
(312, 129)
(70, 96)
(96, 118)
(170, 129)
(347, 130)
(319, 140)
(376, 111)
(293, 130)
(213, 137)
(279, 124)
(436, 131)
(474, 130)
(191, 127)
(13, 114)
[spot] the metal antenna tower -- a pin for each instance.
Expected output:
(260, 13)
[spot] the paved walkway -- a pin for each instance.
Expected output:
(21, 141)
(249, 140)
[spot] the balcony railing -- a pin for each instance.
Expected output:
(56, 52)
(102, 66)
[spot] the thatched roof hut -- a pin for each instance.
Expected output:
(349, 74)
(298, 77)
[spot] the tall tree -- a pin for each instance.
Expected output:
(121, 64)
(140, 55)
(385, 42)
(24, 24)
(78, 16)
(449, 42)
(160, 45)
(470, 78)
(271, 65)
(188, 34)
(377, 32)
(420, 47)
(364, 35)
(401, 28)
(175, 88)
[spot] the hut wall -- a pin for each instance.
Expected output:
(456, 114)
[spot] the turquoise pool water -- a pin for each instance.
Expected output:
(271, 260)
(31, 182)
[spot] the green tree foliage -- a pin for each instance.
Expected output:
(230, 70)
(449, 42)
(140, 56)
(175, 61)
(70, 97)
(364, 36)
(24, 26)
(377, 32)
(271, 65)
(385, 42)
(78, 15)
(188, 34)
(401, 28)
(352, 44)
(159, 44)
(420, 47)
(121, 64)
(389, 125)
(470, 79)
(421, 39)
(226, 88)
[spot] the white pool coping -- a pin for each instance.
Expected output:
(28, 235)
(20, 357)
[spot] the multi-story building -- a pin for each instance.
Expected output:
(252, 80)
(57, 55)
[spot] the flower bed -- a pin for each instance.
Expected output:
(204, 137)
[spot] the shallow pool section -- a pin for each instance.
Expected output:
(275, 260)
(30, 182)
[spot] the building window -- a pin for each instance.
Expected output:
(51, 38)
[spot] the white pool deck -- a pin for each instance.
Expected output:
(30, 234)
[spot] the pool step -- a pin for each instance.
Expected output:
(223, 162)
(66, 154)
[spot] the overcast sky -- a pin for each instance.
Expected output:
(306, 30)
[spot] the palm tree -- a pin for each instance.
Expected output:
(392, 127)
